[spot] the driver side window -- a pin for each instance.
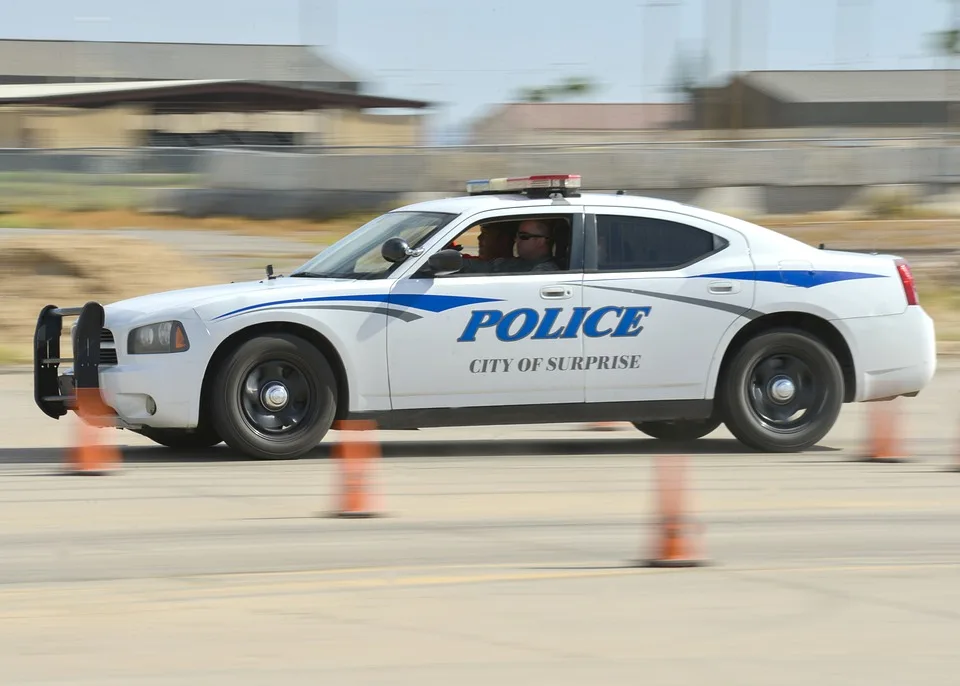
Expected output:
(514, 245)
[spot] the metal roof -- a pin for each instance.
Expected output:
(571, 116)
(195, 95)
(825, 86)
(63, 60)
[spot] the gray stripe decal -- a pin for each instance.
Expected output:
(700, 302)
(373, 309)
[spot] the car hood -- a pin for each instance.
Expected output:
(200, 298)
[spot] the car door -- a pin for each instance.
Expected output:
(649, 272)
(469, 340)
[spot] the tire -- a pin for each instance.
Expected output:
(181, 439)
(242, 413)
(679, 431)
(752, 411)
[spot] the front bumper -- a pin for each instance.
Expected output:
(55, 393)
(160, 391)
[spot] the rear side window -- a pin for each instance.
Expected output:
(633, 243)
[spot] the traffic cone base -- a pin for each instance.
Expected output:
(883, 440)
(675, 564)
(354, 455)
(90, 457)
(674, 547)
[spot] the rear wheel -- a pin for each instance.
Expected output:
(678, 431)
(274, 397)
(782, 392)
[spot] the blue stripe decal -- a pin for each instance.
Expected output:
(418, 301)
(804, 278)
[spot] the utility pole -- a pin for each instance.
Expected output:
(736, 109)
(650, 33)
(952, 70)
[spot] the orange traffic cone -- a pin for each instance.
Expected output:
(673, 547)
(89, 456)
(605, 426)
(354, 455)
(883, 439)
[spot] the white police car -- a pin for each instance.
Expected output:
(669, 316)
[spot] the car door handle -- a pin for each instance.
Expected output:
(722, 287)
(556, 292)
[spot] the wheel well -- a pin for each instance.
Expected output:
(812, 324)
(240, 337)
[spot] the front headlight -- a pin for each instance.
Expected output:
(165, 337)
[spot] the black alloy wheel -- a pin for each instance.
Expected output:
(782, 392)
(275, 397)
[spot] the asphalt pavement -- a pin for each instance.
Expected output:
(512, 558)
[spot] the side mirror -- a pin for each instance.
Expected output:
(395, 250)
(445, 262)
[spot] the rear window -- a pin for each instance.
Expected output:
(645, 243)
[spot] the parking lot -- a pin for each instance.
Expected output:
(507, 558)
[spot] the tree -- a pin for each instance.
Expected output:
(571, 86)
(946, 43)
(690, 69)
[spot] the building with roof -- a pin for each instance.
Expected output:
(547, 123)
(830, 98)
(61, 61)
(56, 94)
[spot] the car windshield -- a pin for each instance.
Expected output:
(357, 255)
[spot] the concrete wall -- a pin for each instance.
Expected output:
(747, 182)
(127, 126)
(64, 128)
(751, 180)
(439, 170)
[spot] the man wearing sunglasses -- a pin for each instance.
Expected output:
(534, 252)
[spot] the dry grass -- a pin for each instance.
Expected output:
(880, 234)
(939, 291)
(35, 272)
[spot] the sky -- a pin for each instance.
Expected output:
(467, 55)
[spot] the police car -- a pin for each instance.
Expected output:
(671, 317)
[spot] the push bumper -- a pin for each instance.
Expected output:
(55, 393)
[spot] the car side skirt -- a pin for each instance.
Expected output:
(653, 410)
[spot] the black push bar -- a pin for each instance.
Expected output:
(50, 397)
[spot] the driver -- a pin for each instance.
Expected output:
(534, 242)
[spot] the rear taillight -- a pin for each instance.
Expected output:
(909, 286)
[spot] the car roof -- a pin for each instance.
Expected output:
(471, 204)
(479, 203)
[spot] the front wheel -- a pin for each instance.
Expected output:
(274, 398)
(782, 392)
(679, 431)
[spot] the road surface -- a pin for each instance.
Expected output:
(504, 560)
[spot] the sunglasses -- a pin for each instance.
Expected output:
(523, 236)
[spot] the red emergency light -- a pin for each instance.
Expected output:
(541, 185)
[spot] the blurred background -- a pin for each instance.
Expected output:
(146, 146)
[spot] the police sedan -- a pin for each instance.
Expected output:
(599, 307)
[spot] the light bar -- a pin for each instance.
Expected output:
(545, 183)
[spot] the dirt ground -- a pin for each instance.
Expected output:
(880, 234)
(35, 272)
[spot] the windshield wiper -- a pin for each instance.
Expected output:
(316, 275)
